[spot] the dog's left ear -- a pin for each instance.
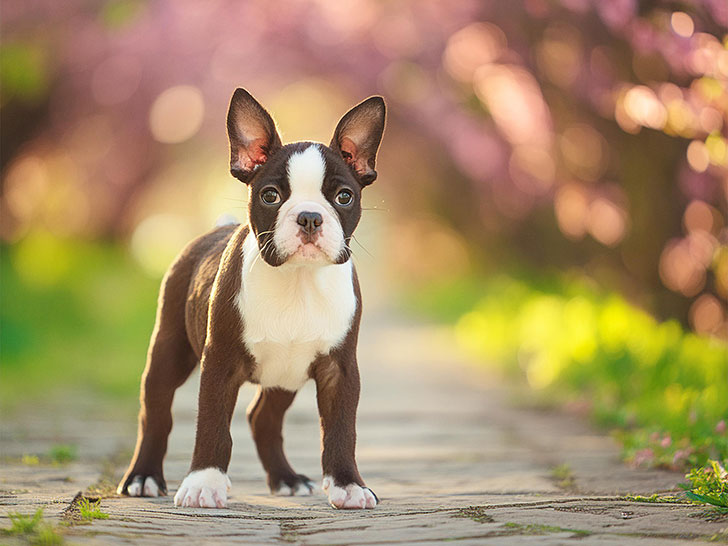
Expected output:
(253, 135)
(358, 135)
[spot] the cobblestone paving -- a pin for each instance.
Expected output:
(440, 442)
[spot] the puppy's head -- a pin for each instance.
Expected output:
(305, 197)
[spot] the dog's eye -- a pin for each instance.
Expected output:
(269, 196)
(344, 198)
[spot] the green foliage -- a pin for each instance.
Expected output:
(91, 510)
(74, 315)
(121, 13)
(23, 72)
(563, 476)
(663, 388)
(709, 485)
(22, 524)
(30, 460)
(62, 454)
(655, 498)
(33, 528)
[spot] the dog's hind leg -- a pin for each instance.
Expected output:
(170, 362)
(265, 415)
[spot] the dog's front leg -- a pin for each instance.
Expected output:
(337, 391)
(207, 484)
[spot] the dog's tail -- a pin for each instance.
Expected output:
(226, 220)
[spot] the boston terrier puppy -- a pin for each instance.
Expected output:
(276, 303)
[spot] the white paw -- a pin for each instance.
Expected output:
(206, 488)
(148, 488)
(301, 489)
(351, 496)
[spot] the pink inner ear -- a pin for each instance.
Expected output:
(348, 149)
(253, 155)
(351, 155)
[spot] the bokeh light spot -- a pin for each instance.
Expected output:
(698, 217)
(572, 208)
(157, 240)
(698, 157)
(177, 114)
(643, 106)
(679, 270)
(706, 314)
(514, 99)
(471, 47)
(559, 54)
(682, 24)
(606, 221)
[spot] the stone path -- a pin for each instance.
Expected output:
(447, 454)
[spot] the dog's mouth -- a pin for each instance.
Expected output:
(309, 251)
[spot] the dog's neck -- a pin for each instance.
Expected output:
(291, 313)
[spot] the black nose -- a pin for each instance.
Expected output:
(310, 221)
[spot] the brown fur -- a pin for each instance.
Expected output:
(197, 319)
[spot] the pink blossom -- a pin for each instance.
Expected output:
(720, 427)
(643, 456)
(666, 441)
(680, 456)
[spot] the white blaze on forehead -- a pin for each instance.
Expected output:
(306, 172)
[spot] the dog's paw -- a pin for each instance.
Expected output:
(138, 485)
(206, 488)
(297, 484)
(351, 496)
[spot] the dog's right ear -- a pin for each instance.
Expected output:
(252, 133)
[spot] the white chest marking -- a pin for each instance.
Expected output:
(291, 314)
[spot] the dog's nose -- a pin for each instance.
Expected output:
(310, 221)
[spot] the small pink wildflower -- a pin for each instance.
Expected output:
(666, 441)
(643, 456)
(720, 427)
(681, 456)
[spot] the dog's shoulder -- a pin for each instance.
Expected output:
(206, 250)
(207, 258)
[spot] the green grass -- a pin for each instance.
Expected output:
(563, 476)
(62, 454)
(74, 316)
(709, 485)
(663, 389)
(655, 498)
(33, 528)
(91, 510)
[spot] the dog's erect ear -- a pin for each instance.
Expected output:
(358, 135)
(252, 133)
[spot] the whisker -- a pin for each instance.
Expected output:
(260, 252)
(254, 260)
(362, 246)
(262, 233)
